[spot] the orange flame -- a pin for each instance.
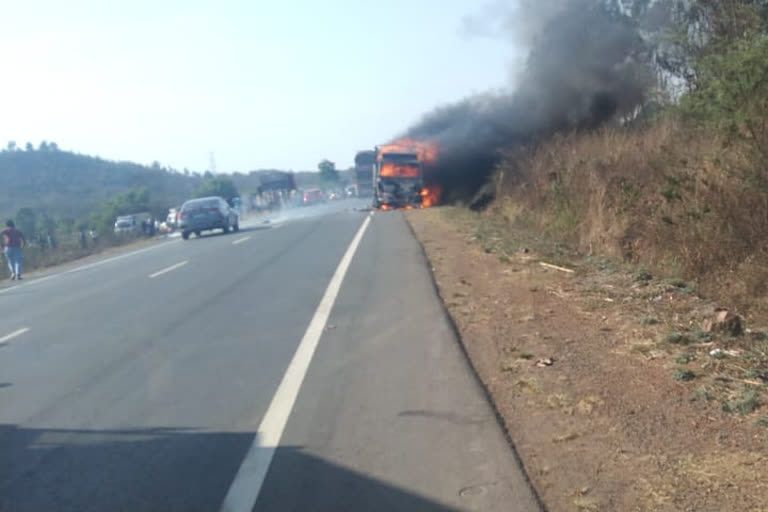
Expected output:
(400, 170)
(430, 196)
(427, 150)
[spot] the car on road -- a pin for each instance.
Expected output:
(312, 196)
(170, 220)
(207, 214)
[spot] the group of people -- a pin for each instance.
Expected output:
(13, 243)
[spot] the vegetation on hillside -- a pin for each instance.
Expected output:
(328, 173)
(221, 186)
(685, 191)
(67, 185)
(55, 193)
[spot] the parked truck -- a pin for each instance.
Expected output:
(365, 168)
(275, 189)
(398, 179)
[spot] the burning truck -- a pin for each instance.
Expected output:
(399, 179)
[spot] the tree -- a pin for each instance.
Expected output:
(29, 147)
(46, 225)
(328, 172)
(11, 146)
(43, 146)
(65, 225)
(730, 90)
(136, 200)
(26, 220)
(221, 186)
(52, 146)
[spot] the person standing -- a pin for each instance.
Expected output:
(13, 243)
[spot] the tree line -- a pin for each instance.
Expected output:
(52, 193)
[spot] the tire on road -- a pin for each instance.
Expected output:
(185, 235)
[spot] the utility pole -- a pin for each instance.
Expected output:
(212, 163)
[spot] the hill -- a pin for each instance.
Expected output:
(63, 184)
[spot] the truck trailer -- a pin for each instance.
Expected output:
(365, 168)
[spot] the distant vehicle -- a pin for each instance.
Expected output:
(275, 187)
(170, 220)
(125, 224)
(129, 224)
(207, 214)
(351, 191)
(312, 196)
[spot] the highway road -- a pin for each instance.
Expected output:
(301, 365)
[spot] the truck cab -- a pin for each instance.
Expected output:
(399, 181)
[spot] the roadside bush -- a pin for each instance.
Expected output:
(684, 194)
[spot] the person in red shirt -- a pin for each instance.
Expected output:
(13, 242)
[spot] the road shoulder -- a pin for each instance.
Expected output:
(390, 416)
(600, 422)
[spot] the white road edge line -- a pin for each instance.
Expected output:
(86, 267)
(168, 269)
(245, 489)
(14, 334)
(237, 242)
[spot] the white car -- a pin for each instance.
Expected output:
(171, 219)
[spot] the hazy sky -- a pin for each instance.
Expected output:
(261, 83)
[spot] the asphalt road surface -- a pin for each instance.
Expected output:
(302, 365)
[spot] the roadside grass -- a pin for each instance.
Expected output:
(67, 249)
(682, 203)
(677, 338)
(744, 403)
(566, 437)
(662, 304)
(619, 315)
(586, 504)
(682, 374)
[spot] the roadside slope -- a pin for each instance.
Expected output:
(606, 426)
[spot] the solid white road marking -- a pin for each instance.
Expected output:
(244, 490)
(168, 269)
(7, 338)
(86, 267)
(237, 242)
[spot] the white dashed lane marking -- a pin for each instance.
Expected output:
(168, 269)
(14, 334)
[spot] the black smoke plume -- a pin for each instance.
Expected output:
(587, 65)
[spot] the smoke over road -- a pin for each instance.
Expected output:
(587, 64)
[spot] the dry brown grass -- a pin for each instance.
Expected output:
(674, 199)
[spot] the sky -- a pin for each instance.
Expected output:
(260, 84)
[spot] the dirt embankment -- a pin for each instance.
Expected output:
(603, 376)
